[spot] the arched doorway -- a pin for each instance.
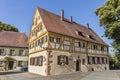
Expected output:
(78, 65)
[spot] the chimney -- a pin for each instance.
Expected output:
(62, 14)
(88, 25)
(70, 19)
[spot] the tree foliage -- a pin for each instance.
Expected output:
(109, 19)
(114, 61)
(7, 27)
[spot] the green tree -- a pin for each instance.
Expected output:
(114, 61)
(109, 19)
(7, 27)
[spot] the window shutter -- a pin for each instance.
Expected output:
(41, 60)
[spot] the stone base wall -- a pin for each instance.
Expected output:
(71, 67)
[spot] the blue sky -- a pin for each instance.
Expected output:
(19, 13)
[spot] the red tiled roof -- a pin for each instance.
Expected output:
(53, 23)
(13, 39)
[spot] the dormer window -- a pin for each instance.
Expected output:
(91, 37)
(80, 33)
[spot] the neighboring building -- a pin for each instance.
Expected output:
(13, 45)
(58, 46)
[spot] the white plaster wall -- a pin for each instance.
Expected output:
(66, 47)
(57, 46)
(66, 42)
(38, 69)
(52, 45)
(77, 49)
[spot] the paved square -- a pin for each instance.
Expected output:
(105, 75)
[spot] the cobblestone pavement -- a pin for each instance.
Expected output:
(105, 75)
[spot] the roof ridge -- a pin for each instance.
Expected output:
(65, 19)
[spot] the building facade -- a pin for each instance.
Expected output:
(13, 45)
(58, 45)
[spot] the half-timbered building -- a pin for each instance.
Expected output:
(58, 45)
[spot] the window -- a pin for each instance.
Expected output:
(58, 40)
(42, 40)
(31, 61)
(102, 48)
(26, 53)
(36, 61)
(102, 60)
(39, 42)
(80, 33)
(89, 60)
(33, 44)
(36, 31)
(20, 52)
(40, 28)
(62, 60)
(51, 39)
(79, 44)
(1, 52)
(12, 52)
(40, 61)
(36, 43)
(83, 61)
(20, 63)
(83, 45)
(91, 37)
(93, 60)
(98, 60)
(45, 39)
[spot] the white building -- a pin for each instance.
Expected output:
(13, 45)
